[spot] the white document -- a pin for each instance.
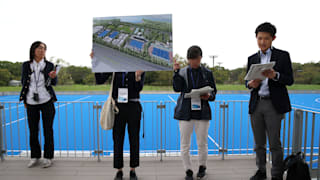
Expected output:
(58, 69)
(255, 71)
(195, 93)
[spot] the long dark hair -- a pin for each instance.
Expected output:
(33, 47)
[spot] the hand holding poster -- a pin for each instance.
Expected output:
(131, 43)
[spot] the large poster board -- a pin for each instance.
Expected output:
(130, 43)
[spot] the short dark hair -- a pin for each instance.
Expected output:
(267, 27)
(33, 47)
(194, 52)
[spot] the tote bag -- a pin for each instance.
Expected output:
(109, 110)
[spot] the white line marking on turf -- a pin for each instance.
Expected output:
(214, 142)
(13, 107)
(5, 98)
(73, 101)
(172, 99)
(307, 107)
(55, 107)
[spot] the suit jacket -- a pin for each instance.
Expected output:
(181, 84)
(26, 75)
(278, 90)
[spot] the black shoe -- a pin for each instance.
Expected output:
(133, 175)
(202, 172)
(118, 175)
(189, 175)
(277, 178)
(260, 175)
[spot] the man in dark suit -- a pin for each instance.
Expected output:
(269, 101)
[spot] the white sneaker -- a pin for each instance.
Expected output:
(33, 162)
(46, 163)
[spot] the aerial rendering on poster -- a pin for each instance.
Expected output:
(130, 43)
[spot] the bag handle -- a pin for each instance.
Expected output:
(116, 109)
(111, 86)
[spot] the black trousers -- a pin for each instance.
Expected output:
(129, 113)
(33, 113)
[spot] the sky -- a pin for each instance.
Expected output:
(223, 28)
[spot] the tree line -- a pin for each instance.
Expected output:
(307, 73)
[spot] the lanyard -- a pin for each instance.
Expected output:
(194, 83)
(123, 77)
(35, 77)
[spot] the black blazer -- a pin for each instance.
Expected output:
(278, 90)
(25, 80)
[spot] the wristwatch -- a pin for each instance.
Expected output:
(276, 78)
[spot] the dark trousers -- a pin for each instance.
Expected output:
(129, 113)
(48, 112)
(266, 121)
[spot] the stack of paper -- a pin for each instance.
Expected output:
(255, 71)
(198, 92)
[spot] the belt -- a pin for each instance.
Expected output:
(132, 100)
(135, 100)
(264, 97)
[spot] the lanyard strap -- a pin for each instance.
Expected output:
(35, 77)
(123, 77)
(194, 84)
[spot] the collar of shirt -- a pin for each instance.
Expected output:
(195, 69)
(265, 57)
(268, 52)
(37, 66)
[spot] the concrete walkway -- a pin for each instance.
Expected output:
(233, 167)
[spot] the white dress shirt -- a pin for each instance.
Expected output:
(37, 84)
(265, 58)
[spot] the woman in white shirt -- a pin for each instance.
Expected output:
(38, 76)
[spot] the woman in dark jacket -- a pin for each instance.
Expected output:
(38, 76)
(126, 93)
(193, 113)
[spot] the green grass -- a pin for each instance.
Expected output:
(220, 87)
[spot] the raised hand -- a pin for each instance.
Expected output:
(176, 65)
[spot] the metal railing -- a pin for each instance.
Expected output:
(306, 141)
(78, 134)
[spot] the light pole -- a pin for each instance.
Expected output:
(213, 57)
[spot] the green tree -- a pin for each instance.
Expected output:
(64, 78)
(237, 75)
(89, 79)
(5, 77)
(78, 73)
(14, 69)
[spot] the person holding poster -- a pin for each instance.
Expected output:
(126, 92)
(269, 101)
(39, 96)
(194, 112)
